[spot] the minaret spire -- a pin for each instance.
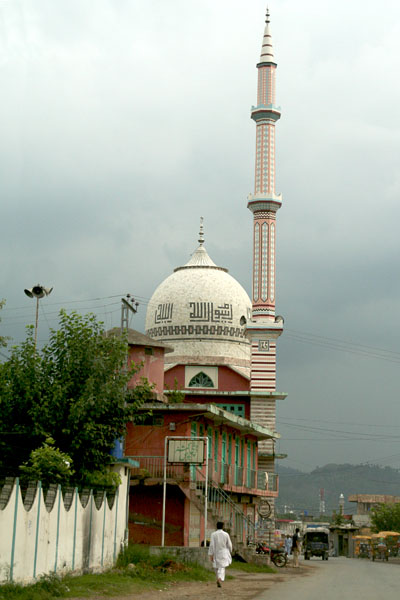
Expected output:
(267, 52)
(201, 232)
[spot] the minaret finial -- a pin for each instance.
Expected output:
(201, 233)
(267, 15)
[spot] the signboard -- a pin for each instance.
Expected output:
(186, 451)
(264, 509)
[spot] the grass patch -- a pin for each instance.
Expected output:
(136, 571)
(252, 567)
(47, 587)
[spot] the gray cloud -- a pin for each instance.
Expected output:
(123, 122)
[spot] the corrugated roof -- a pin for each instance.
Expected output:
(135, 338)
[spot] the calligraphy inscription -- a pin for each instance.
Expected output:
(186, 451)
(163, 313)
(206, 312)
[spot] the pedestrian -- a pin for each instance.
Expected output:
(296, 548)
(219, 552)
(288, 544)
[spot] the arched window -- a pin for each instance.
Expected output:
(201, 380)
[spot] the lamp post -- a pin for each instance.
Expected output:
(37, 291)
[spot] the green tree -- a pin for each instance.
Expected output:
(49, 465)
(73, 391)
(337, 519)
(386, 517)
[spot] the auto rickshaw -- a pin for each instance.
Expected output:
(379, 549)
(362, 544)
(316, 542)
(384, 544)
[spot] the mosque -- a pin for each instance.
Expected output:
(220, 344)
(222, 341)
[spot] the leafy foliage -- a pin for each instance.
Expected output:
(142, 392)
(337, 519)
(73, 391)
(102, 479)
(175, 394)
(49, 465)
(386, 517)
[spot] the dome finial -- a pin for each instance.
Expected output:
(201, 233)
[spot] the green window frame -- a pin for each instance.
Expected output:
(236, 409)
(216, 441)
(201, 380)
(248, 464)
(210, 447)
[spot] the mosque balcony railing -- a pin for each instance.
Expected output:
(232, 478)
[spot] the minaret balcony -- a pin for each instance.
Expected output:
(263, 112)
(267, 330)
(264, 202)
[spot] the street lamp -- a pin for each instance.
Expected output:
(37, 291)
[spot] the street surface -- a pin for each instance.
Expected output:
(339, 579)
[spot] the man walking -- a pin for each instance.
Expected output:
(288, 544)
(296, 545)
(220, 552)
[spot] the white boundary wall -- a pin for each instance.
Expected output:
(38, 541)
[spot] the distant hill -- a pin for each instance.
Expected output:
(300, 491)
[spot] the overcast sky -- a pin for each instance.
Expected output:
(124, 121)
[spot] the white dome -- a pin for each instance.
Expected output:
(200, 310)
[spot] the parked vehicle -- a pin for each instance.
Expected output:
(384, 544)
(362, 546)
(278, 555)
(316, 543)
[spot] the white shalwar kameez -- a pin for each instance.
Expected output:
(220, 549)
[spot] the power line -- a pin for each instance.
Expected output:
(334, 344)
(339, 431)
(4, 310)
(341, 422)
(21, 318)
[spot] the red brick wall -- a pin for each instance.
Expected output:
(153, 366)
(145, 440)
(145, 515)
(177, 372)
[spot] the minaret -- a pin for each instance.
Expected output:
(264, 203)
(264, 327)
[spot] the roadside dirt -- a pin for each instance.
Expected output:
(245, 586)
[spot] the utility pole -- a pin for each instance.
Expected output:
(129, 304)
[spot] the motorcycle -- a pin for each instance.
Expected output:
(278, 556)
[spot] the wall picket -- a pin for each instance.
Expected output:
(35, 542)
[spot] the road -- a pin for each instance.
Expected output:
(340, 579)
